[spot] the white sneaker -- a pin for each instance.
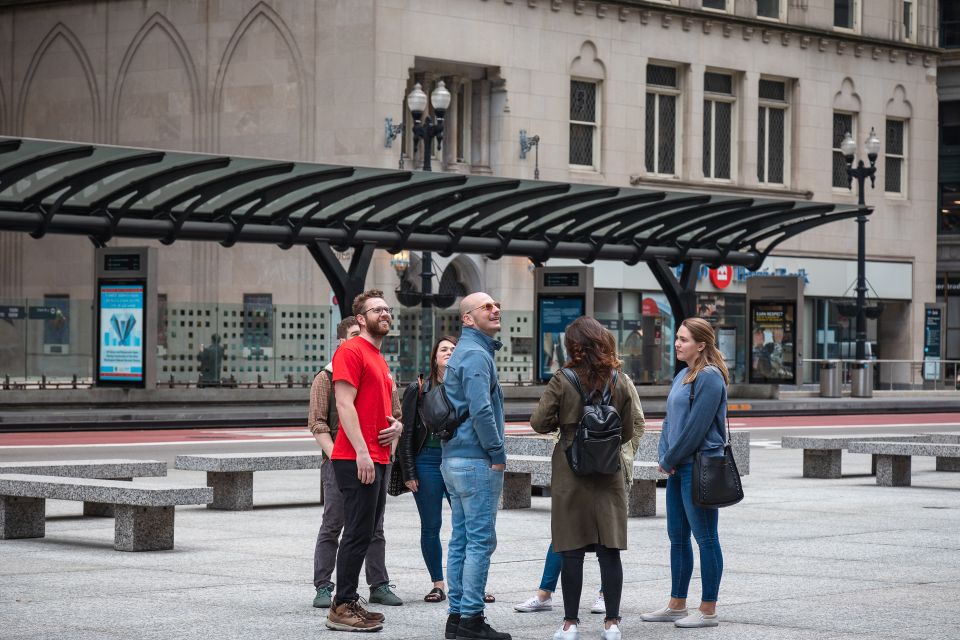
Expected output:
(697, 619)
(570, 634)
(613, 633)
(535, 604)
(664, 615)
(599, 605)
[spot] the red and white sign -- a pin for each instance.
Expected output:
(721, 277)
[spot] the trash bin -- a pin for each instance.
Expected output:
(829, 379)
(861, 379)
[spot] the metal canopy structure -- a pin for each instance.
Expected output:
(102, 192)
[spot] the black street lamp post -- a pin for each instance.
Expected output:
(849, 148)
(427, 129)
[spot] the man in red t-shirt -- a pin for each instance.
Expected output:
(363, 390)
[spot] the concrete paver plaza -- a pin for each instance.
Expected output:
(804, 559)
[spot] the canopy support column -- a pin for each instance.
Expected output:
(682, 293)
(346, 284)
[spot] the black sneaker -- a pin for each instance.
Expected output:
(476, 628)
(453, 621)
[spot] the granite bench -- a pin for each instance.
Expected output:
(822, 454)
(96, 469)
(893, 458)
(521, 470)
(143, 515)
(231, 474)
(944, 463)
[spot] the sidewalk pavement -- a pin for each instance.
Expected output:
(804, 559)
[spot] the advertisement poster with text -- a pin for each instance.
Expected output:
(121, 333)
(555, 315)
(773, 340)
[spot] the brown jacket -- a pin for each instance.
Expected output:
(591, 509)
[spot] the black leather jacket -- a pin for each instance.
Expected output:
(414, 433)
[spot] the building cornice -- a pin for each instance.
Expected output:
(667, 16)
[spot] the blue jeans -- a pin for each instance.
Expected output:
(551, 570)
(429, 498)
(684, 517)
(475, 491)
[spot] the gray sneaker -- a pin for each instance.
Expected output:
(324, 597)
(697, 619)
(382, 594)
(664, 615)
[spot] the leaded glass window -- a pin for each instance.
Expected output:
(768, 9)
(845, 14)
(663, 94)
(772, 133)
(720, 5)
(842, 124)
(584, 123)
(895, 157)
(718, 125)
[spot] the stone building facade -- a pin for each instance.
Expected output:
(741, 97)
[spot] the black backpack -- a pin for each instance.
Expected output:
(596, 444)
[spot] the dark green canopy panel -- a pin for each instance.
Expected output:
(103, 192)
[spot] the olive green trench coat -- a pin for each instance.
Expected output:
(590, 509)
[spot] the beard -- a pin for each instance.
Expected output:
(378, 330)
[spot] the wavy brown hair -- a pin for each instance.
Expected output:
(591, 351)
(434, 369)
(702, 331)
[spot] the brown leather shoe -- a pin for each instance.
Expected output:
(348, 616)
(370, 615)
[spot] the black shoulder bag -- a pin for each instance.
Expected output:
(438, 415)
(716, 479)
(596, 444)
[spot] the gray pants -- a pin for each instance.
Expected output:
(328, 539)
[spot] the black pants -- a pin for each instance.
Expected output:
(362, 506)
(611, 577)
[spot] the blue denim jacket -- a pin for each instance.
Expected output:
(472, 385)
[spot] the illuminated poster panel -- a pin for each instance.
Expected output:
(120, 339)
(773, 336)
(555, 314)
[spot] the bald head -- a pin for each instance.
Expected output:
(473, 301)
(481, 312)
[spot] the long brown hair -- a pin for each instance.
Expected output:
(591, 352)
(434, 369)
(702, 331)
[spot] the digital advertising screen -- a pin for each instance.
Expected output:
(120, 354)
(555, 314)
(773, 339)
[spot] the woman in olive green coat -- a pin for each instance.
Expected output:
(588, 513)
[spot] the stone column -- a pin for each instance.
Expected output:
(749, 105)
(689, 163)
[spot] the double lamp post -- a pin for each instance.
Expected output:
(860, 173)
(425, 129)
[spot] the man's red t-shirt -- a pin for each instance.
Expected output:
(361, 364)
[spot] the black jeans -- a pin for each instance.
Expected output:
(611, 577)
(362, 506)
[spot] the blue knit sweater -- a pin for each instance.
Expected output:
(687, 427)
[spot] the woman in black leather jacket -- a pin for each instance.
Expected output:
(419, 455)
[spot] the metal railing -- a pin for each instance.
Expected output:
(893, 375)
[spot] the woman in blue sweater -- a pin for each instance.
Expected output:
(696, 413)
